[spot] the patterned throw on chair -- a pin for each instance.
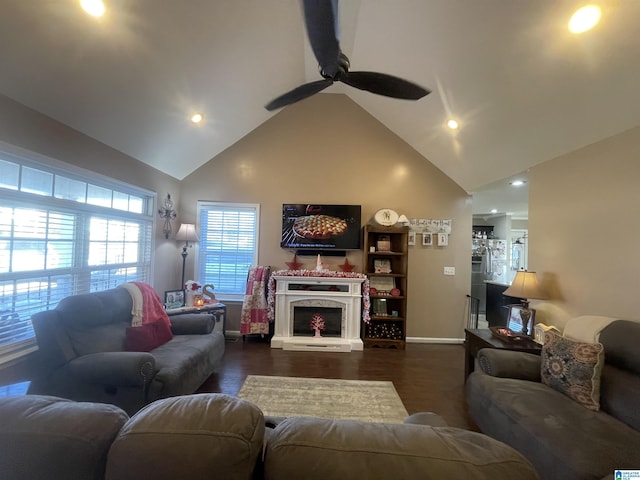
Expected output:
(255, 318)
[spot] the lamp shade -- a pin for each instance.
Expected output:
(525, 285)
(187, 233)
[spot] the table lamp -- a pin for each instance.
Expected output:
(525, 286)
(186, 233)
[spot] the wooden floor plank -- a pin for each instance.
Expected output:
(428, 377)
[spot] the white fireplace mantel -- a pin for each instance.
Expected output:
(292, 291)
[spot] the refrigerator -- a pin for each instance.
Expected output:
(488, 263)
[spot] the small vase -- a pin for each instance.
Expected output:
(189, 298)
(317, 334)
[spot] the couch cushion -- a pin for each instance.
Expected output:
(96, 322)
(620, 387)
(145, 338)
(49, 437)
(184, 363)
(573, 368)
(317, 448)
(201, 436)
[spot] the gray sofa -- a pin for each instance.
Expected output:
(81, 348)
(563, 439)
(204, 436)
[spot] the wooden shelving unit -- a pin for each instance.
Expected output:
(387, 328)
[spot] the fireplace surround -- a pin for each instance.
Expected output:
(338, 299)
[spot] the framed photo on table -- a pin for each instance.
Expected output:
(174, 299)
(514, 321)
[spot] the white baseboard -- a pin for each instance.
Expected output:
(453, 341)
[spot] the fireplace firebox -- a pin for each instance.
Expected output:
(331, 316)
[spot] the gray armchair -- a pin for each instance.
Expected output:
(83, 356)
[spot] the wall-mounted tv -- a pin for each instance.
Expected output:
(321, 227)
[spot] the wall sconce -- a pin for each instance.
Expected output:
(167, 213)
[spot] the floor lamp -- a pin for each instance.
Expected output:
(525, 286)
(186, 233)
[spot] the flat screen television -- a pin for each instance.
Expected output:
(321, 227)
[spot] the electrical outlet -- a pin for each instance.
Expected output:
(449, 270)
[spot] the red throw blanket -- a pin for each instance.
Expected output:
(147, 306)
(255, 312)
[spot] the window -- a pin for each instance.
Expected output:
(63, 233)
(228, 246)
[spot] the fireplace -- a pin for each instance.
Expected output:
(303, 316)
(336, 299)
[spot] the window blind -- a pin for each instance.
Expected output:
(62, 233)
(228, 245)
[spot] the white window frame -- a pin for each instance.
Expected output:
(241, 278)
(81, 274)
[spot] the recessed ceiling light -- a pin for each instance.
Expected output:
(452, 124)
(517, 183)
(494, 210)
(94, 8)
(584, 19)
(197, 118)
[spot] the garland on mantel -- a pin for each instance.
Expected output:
(271, 296)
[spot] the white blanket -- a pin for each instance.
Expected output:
(586, 328)
(138, 303)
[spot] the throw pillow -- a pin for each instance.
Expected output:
(145, 338)
(573, 368)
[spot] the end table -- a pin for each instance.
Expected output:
(478, 338)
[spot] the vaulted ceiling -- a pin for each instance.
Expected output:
(523, 89)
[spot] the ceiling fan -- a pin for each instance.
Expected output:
(321, 19)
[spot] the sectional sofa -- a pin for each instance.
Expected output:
(204, 436)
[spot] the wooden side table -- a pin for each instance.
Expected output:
(218, 310)
(478, 338)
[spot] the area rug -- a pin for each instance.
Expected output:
(363, 400)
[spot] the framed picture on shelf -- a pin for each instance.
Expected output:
(380, 307)
(427, 239)
(515, 320)
(174, 299)
(382, 265)
(382, 284)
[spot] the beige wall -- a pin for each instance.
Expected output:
(584, 230)
(30, 130)
(323, 150)
(329, 150)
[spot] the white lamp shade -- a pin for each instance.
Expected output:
(525, 285)
(187, 233)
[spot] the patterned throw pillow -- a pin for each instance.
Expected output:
(573, 368)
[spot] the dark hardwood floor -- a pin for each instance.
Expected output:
(428, 377)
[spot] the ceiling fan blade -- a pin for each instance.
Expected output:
(384, 84)
(321, 19)
(299, 93)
